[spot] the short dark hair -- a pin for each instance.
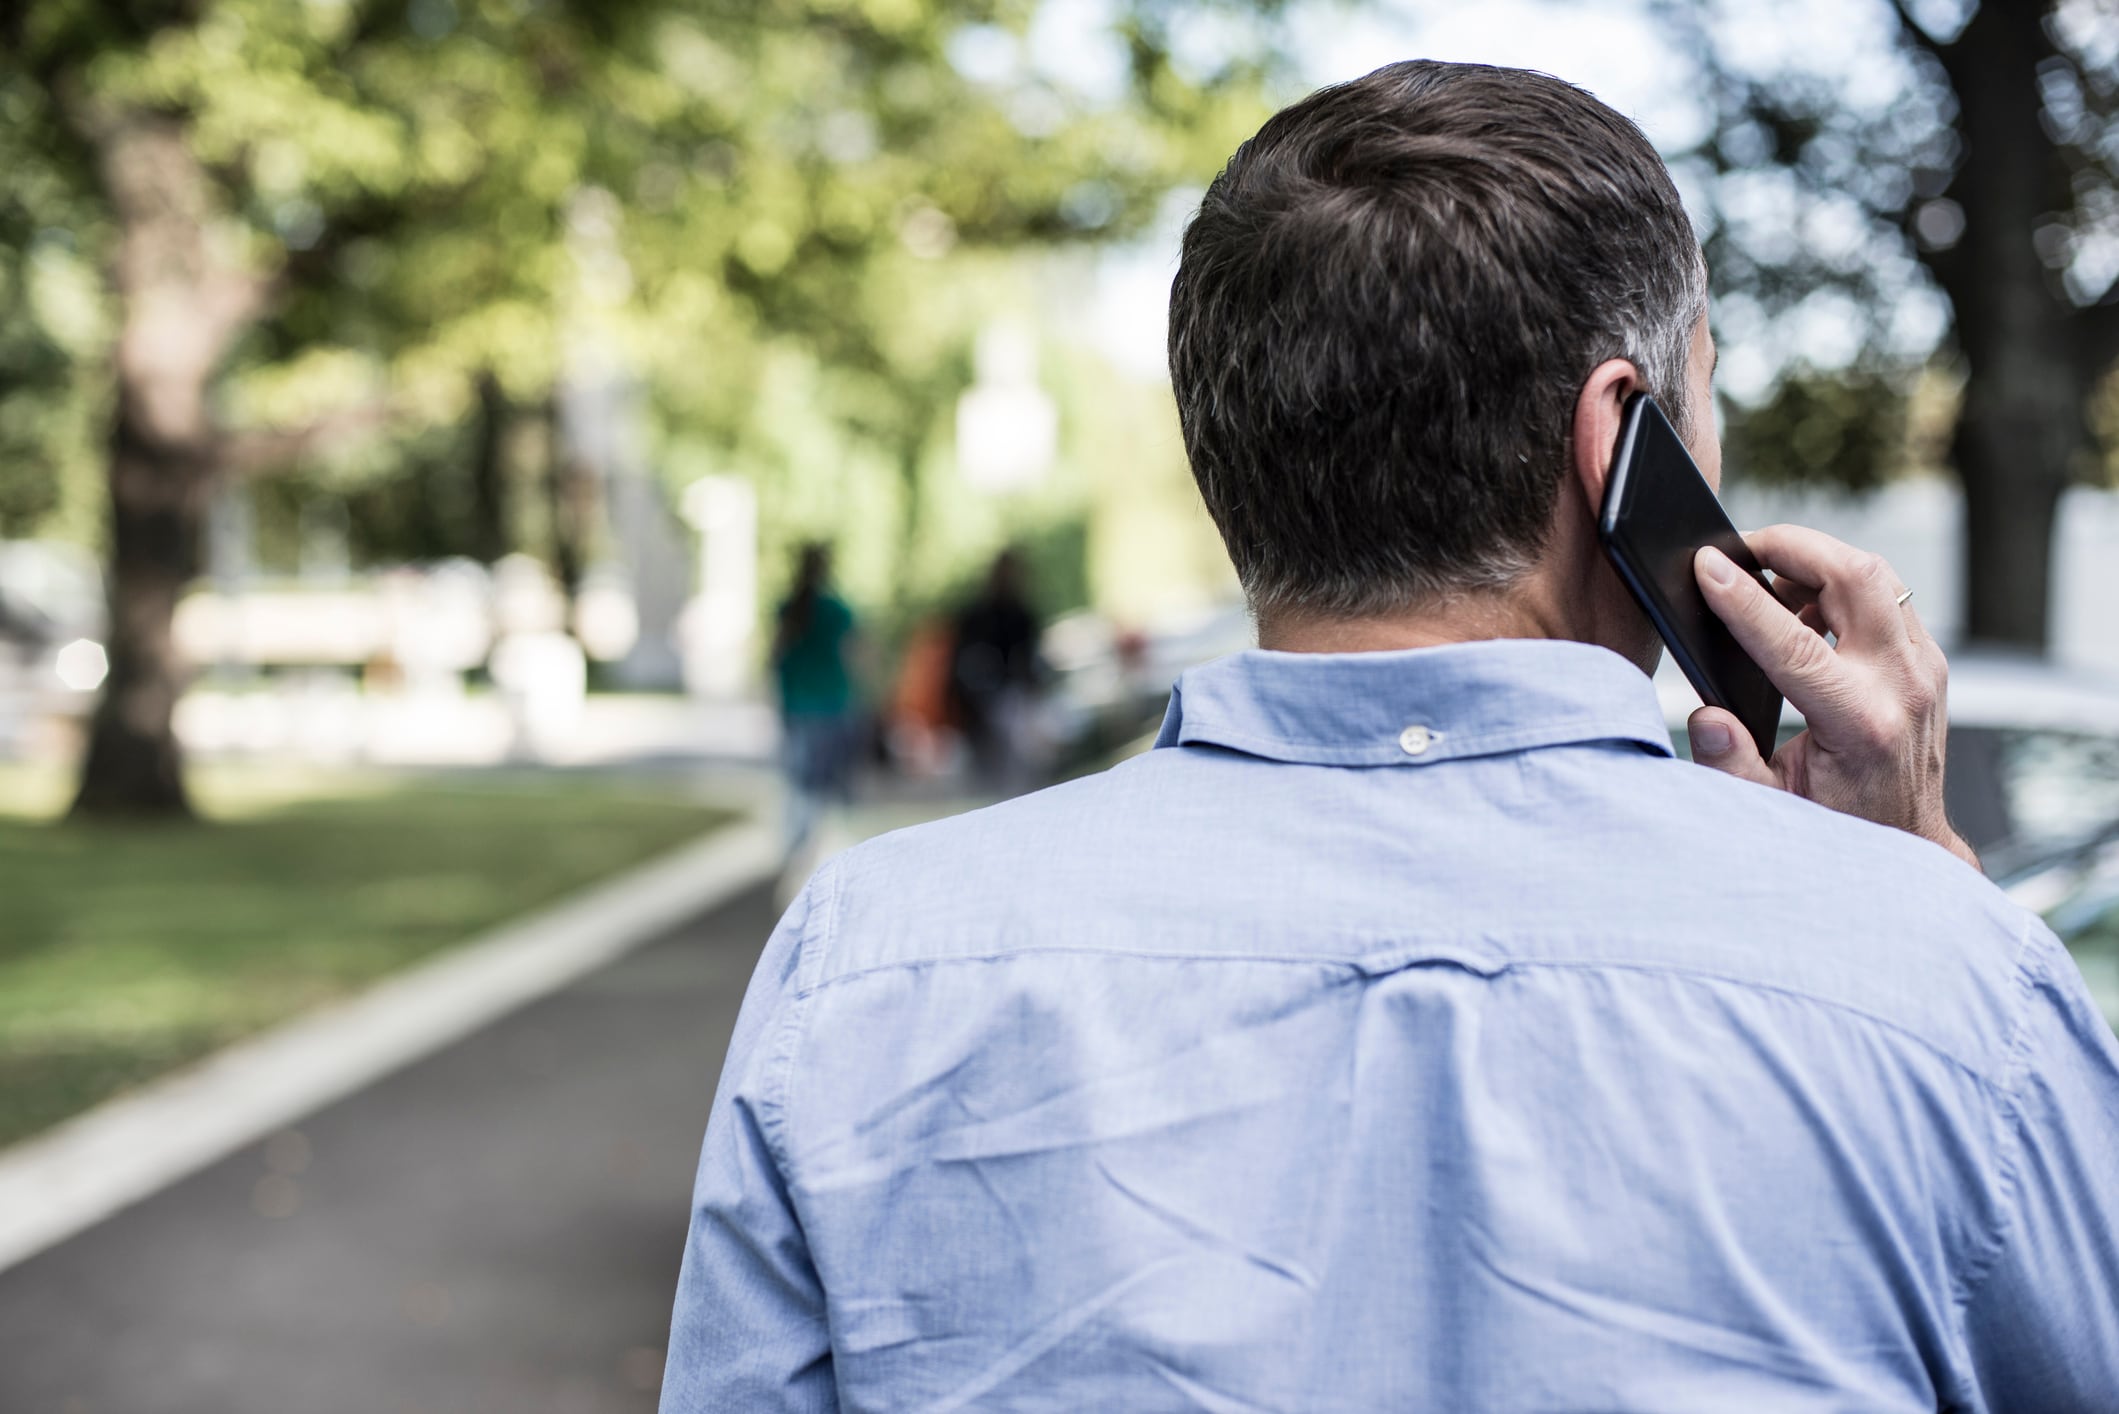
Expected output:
(1385, 310)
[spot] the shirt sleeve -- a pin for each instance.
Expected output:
(749, 1329)
(2042, 1320)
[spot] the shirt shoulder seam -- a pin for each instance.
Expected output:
(776, 1088)
(1358, 965)
(1703, 974)
(906, 964)
(2008, 1148)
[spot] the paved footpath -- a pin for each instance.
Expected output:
(493, 1229)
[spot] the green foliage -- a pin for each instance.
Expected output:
(1843, 428)
(1846, 193)
(1056, 565)
(51, 316)
(719, 201)
(1810, 176)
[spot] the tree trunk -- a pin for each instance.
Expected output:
(570, 488)
(2010, 505)
(158, 496)
(489, 472)
(2022, 429)
(184, 302)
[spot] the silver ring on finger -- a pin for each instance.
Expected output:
(1904, 597)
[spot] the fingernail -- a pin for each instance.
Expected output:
(1710, 739)
(1719, 569)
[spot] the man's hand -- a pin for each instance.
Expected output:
(1875, 705)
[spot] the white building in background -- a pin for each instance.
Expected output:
(1918, 525)
(1007, 427)
(603, 427)
(719, 623)
(650, 556)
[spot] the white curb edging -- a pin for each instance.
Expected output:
(90, 1167)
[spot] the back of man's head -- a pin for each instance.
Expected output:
(1385, 309)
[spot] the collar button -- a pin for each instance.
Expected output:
(1416, 739)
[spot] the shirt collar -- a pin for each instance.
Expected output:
(1417, 706)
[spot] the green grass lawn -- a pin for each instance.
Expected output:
(125, 950)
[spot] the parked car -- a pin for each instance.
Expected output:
(1108, 686)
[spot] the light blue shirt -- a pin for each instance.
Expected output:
(1409, 1031)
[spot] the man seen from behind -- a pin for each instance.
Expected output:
(1410, 1030)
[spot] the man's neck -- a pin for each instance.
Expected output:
(1462, 619)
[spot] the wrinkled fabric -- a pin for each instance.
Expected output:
(1314, 1062)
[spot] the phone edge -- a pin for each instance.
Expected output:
(1617, 484)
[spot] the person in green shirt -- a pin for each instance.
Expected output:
(812, 643)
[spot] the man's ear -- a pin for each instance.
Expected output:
(1598, 410)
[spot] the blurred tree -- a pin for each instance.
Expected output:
(1980, 160)
(51, 313)
(338, 216)
(1838, 427)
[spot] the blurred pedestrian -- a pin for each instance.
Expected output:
(920, 699)
(813, 642)
(994, 674)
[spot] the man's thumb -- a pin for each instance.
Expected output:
(1720, 741)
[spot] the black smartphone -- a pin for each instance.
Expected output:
(1658, 511)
